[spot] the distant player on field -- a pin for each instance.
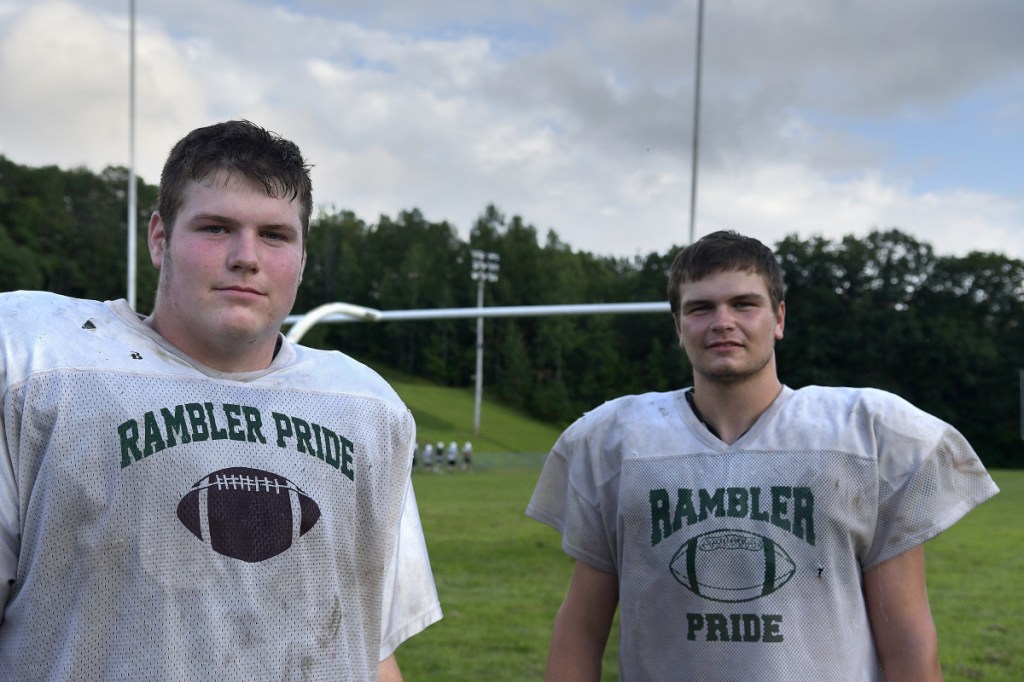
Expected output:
(746, 530)
(188, 495)
(452, 455)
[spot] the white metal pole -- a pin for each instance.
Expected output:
(310, 319)
(132, 194)
(696, 119)
(479, 358)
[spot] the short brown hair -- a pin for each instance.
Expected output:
(264, 158)
(725, 251)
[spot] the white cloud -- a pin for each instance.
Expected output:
(773, 201)
(61, 69)
(575, 115)
(64, 72)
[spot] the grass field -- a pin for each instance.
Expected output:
(501, 576)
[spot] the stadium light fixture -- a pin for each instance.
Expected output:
(485, 267)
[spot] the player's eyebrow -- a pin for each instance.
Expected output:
(749, 296)
(752, 296)
(227, 220)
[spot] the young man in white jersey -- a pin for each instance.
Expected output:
(188, 495)
(746, 530)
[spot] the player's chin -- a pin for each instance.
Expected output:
(725, 373)
(252, 312)
(248, 325)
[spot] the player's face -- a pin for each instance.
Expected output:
(229, 272)
(727, 326)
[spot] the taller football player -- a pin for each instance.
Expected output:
(188, 495)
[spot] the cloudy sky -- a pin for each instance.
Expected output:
(819, 117)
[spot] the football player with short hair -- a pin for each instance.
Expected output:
(744, 529)
(189, 495)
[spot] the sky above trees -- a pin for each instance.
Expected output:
(826, 118)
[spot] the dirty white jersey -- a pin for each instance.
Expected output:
(745, 561)
(160, 520)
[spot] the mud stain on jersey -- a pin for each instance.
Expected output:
(332, 625)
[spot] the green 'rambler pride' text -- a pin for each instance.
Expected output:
(198, 422)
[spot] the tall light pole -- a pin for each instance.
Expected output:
(132, 198)
(696, 118)
(484, 269)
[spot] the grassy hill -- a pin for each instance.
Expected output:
(446, 414)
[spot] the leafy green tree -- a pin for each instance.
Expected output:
(69, 233)
(882, 310)
(513, 375)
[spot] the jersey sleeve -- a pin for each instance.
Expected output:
(410, 596)
(9, 534)
(576, 495)
(9, 525)
(548, 502)
(926, 484)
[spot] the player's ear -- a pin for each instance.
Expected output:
(157, 239)
(780, 321)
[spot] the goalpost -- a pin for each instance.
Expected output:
(348, 312)
(336, 313)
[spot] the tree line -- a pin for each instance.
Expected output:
(884, 310)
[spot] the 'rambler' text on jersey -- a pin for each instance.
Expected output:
(788, 508)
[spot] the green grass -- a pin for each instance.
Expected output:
(976, 588)
(502, 576)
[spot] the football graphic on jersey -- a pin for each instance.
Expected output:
(247, 514)
(732, 565)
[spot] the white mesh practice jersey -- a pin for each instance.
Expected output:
(160, 520)
(745, 561)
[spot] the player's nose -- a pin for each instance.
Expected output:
(722, 318)
(244, 252)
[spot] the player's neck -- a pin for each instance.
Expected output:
(730, 409)
(233, 357)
